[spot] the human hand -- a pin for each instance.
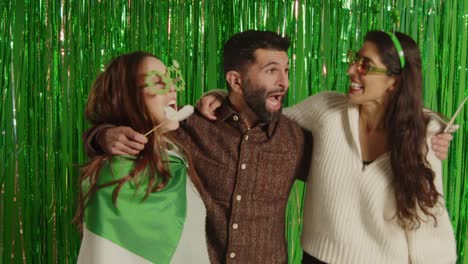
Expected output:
(121, 141)
(209, 102)
(440, 144)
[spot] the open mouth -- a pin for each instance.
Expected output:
(355, 87)
(172, 104)
(171, 109)
(274, 101)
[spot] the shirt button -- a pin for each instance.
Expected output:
(243, 166)
(247, 137)
(235, 226)
(238, 197)
(232, 255)
(235, 118)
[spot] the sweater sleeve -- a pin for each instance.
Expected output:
(297, 112)
(431, 243)
(89, 139)
(308, 112)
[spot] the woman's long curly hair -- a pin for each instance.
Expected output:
(115, 98)
(413, 178)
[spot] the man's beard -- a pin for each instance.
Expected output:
(255, 97)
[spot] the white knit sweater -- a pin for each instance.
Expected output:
(349, 209)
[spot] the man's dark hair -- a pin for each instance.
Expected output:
(239, 49)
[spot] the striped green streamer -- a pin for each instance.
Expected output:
(51, 51)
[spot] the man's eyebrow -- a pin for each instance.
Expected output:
(274, 63)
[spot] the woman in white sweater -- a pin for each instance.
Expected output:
(374, 194)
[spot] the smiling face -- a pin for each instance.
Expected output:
(266, 83)
(156, 103)
(372, 87)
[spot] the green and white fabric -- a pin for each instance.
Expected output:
(167, 227)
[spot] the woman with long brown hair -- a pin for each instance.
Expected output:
(144, 208)
(374, 194)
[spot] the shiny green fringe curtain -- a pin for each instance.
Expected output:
(50, 52)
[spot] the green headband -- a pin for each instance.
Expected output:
(397, 45)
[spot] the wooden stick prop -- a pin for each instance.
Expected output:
(450, 123)
(175, 115)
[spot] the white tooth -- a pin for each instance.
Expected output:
(356, 85)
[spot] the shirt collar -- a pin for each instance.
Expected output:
(226, 111)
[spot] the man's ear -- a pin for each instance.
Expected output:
(234, 80)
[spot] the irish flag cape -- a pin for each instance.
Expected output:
(137, 231)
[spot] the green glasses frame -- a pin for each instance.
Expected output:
(364, 68)
(172, 78)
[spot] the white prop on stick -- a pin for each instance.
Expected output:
(450, 123)
(174, 115)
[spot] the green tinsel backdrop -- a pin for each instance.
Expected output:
(51, 51)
